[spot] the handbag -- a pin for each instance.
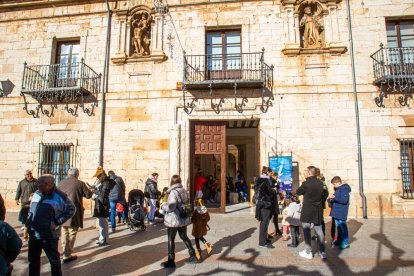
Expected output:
(185, 209)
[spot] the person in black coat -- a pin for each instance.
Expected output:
(265, 206)
(313, 195)
(102, 207)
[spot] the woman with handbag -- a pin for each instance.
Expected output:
(176, 219)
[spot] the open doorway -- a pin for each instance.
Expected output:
(218, 151)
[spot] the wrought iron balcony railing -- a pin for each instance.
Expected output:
(245, 69)
(394, 72)
(72, 83)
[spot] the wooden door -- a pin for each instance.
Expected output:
(209, 138)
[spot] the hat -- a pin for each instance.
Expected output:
(99, 171)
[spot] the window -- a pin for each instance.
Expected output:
(55, 159)
(67, 63)
(223, 54)
(407, 165)
(400, 33)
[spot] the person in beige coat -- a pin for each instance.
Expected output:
(75, 189)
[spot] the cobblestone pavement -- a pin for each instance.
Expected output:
(378, 247)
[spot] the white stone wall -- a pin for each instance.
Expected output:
(146, 130)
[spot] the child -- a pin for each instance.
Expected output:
(293, 218)
(285, 224)
(120, 212)
(339, 212)
(199, 219)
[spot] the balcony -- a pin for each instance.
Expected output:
(394, 73)
(73, 85)
(246, 71)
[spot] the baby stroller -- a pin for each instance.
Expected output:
(136, 210)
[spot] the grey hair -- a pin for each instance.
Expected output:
(73, 172)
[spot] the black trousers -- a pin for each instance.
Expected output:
(333, 228)
(266, 215)
(50, 246)
(197, 241)
(182, 232)
(276, 221)
(294, 232)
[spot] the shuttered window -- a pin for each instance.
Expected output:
(55, 159)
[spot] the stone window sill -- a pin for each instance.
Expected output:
(296, 51)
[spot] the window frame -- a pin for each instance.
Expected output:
(48, 163)
(398, 30)
(407, 168)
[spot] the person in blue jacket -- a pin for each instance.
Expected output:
(49, 209)
(339, 203)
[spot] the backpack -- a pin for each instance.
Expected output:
(257, 185)
(185, 209)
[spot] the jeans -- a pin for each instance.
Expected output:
(182, 232)
(103, 230)
(343, 238)
(294, 233)
(112, 216)
(153, 206)
(333, 229)
(50, 246)
(307, 236)
(68, 240)
(266, 214)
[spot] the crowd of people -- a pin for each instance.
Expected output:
(48, 212)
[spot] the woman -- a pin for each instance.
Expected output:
(175, 223)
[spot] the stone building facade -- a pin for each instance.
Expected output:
(294, 90)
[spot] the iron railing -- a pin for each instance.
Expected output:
(55, 159)
(394, 68)
(407, 166)
(241, 68)
(60, 82)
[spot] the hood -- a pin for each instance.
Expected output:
(173, 187)
(201, 209)
(345, 187)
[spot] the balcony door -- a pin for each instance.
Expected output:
(66, 69)
(400, 40)
(223, 55)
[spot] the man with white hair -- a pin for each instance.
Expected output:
(24, 191)
(75, 189)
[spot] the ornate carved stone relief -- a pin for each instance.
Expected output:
(139, 32)
(312, 27)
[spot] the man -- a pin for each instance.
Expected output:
(313, 194)
(117, 195)
(10, 244)
(151, 191)
(25, 189)
(265, 205)
(199, 181)
(102, 207)
(49, 209)
(339, 202)
(75, 189)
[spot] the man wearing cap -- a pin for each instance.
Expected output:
(102, 206)
(25, 189)
(49, 208)
(75, 190)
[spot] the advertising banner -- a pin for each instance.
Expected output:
(283, 166)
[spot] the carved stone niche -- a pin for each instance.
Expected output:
(312, 27)
(139, 33)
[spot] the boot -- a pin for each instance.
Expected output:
(169, 263)
(209, 248)
(198, 254)
(25, 234)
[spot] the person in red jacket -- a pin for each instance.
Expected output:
(199, 182)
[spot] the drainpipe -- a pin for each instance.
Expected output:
(360, 174)
(105, 85)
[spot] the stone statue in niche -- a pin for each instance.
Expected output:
(311, 27)
(141, 26)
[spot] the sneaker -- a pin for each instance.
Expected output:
(168, 264)
(69, 259)
(152, 222)
(292, 245)
(191, 260)
(344, 246)
(306, 255)
(323, 255)
(267, 245)
(100, 244)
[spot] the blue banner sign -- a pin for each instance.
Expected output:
(283, 166)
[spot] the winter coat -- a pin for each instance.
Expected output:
(2, 209)
(293, 213)
(118, 191)
(340, 203)
(199, 181)
(24, 190)
(266, 197)
(75, 189)
(151, 189)
(284, 215)
(200, 218)
(172, 216)
(102, 207)
(313, 194)
(10, 245)
(54, 207)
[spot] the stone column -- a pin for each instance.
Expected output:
(157, 33)
(292, 45)
(121, 49)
